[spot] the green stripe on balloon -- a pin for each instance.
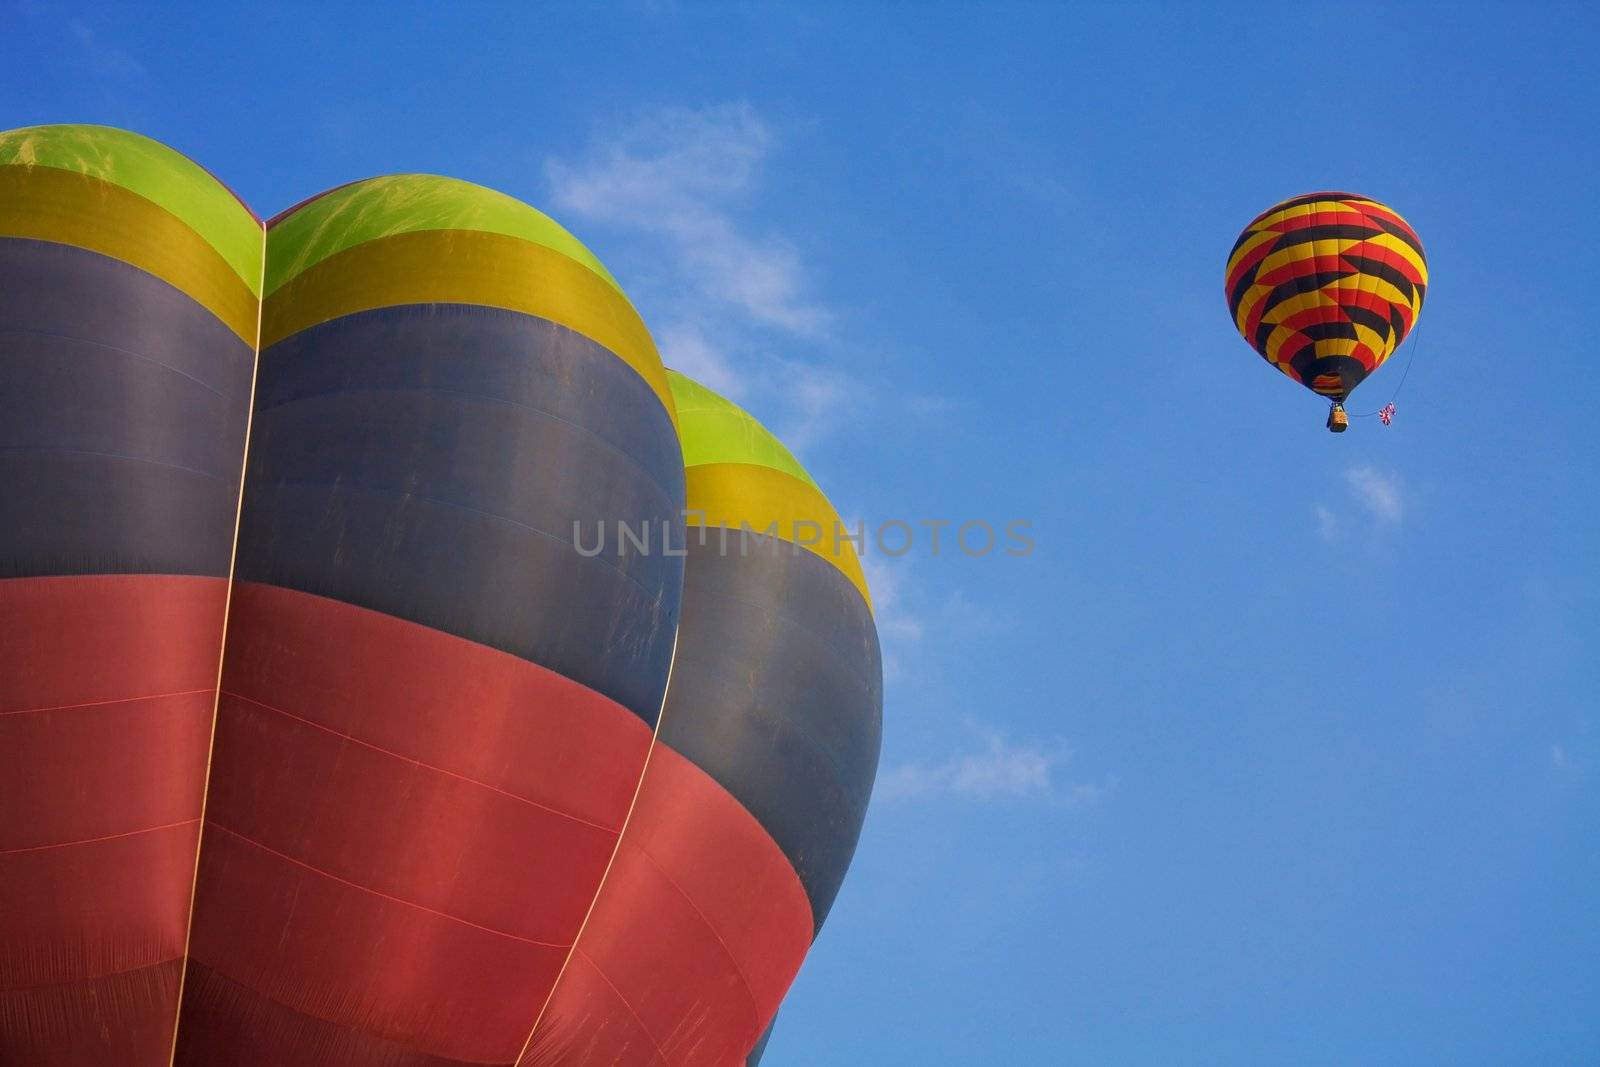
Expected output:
(153, 171)
(409, 203)
(715, 430)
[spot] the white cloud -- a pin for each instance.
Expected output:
(996, 769)
(816, 398)
(902, 624)
(1378, 492)
(678, 176)
(899, 628)
(1566, 763)
(1327, 522)
(685, 347)
(731, 304)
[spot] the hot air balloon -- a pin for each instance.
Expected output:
(129, 282)
(434, 710)
(759, 780)
(1325, 287)
(361, 758)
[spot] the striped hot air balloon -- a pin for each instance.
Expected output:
(1325, 287)
(756, 789)
(434, 711)
(361, 759)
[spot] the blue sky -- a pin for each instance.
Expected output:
(1281, 747)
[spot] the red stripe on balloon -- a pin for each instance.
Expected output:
(1253, 315)
(1251, 258)
(1389, 256)
(1377, 212)
(88, 639)
(1341, 217)
(1300, 268)
(421, 694)
(106, 692)
(1362, 298)
(1291, 348)
(1308, 198)
(123, 1018)
(99, 908)
(249, 1030)
(1314, 316)
(362, 961)
(697, 934)
(404, 832)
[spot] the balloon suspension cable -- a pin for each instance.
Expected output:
(1386, 413)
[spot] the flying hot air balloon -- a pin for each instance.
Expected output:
(1325, 287)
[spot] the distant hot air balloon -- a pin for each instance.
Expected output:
(360, 759)
(1325, 287)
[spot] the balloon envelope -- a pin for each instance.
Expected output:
(324, 739)
(1325, 287)
(434, 710)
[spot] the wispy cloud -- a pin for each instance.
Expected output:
(815, 398)
(685, 347)
(996, 769)
(1378, 492)
(1566, 763)
(1327, 522)
(679, 175)
(899, 626)
(734, 300)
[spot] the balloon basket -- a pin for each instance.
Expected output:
(1338, 421)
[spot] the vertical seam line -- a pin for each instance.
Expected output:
(222, 655)
(616, 849)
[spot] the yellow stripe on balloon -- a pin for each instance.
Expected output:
(1304, 251)
(1404, 251)
(735, 496)
(1336, 346)
(1252, 242)
(1280, 336)
(1379, 343)
(65, 207)
(468, 267)
(1275, 342)
(1300, 211)
(1316, 298)
(1325, 246)
(1252, 296)
(1286, 369)
(1361, 202)
(1371, 283)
